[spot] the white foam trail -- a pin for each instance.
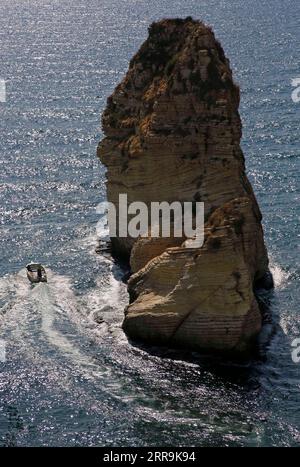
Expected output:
(106, 302)
(14, 283)
(46, 305)
(44, 297)
(13, 289)
(33, 320)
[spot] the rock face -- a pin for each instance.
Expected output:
(173, 133)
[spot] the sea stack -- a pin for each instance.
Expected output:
(172, 133)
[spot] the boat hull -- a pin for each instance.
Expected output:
(35, 279)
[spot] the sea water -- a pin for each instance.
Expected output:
(68, 375)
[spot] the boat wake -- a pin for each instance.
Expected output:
(68, 347)
(53, 328)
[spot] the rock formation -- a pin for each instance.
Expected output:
(172, 133)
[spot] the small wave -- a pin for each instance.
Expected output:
(280, 276)
(86, 239)
(105, 303)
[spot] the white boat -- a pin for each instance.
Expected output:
(36, 273)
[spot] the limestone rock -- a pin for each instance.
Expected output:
(203, 298)
(147, 248)
(172, 133)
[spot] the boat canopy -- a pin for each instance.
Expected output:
(34, 266)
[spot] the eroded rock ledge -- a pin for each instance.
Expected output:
(172, 133)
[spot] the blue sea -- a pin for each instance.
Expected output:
(70, 377)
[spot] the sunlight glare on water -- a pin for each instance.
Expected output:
(71, 377)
